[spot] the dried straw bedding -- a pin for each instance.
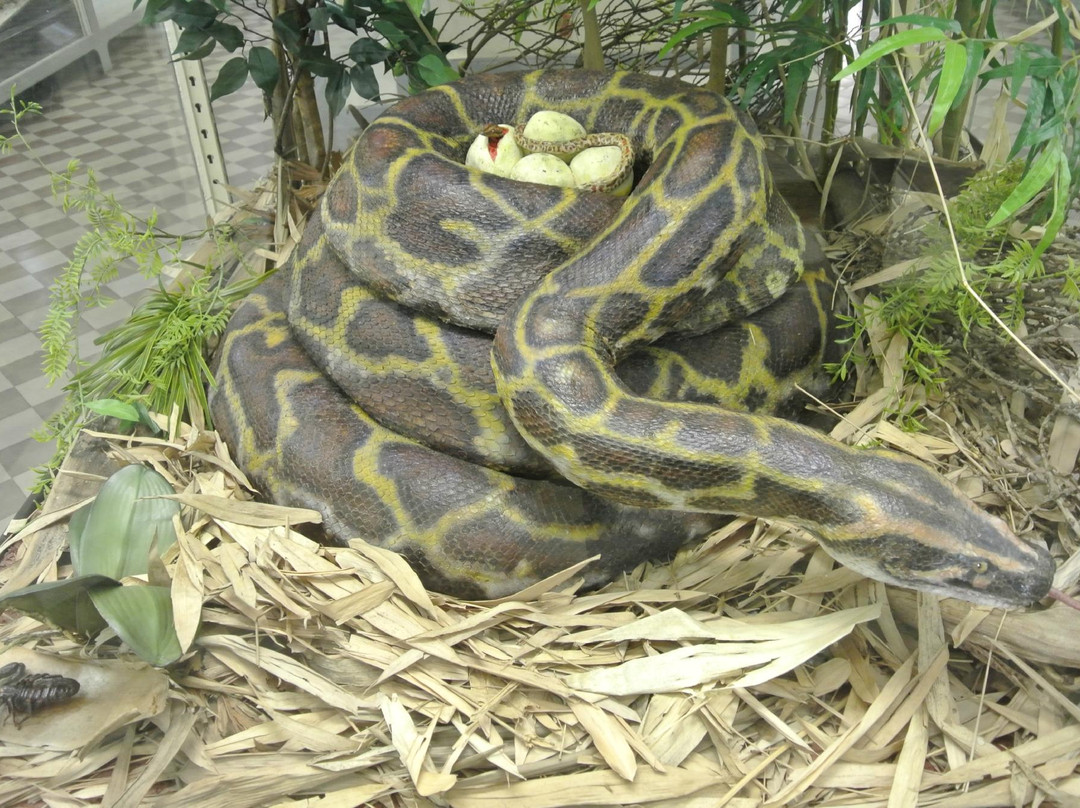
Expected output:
(749, 671)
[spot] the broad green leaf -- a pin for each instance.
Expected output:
(316, 59)
(65, 604)
(950, 80)
(288, 29)
(263, 68)
(113, 408)
(903, 39)
(417, 6)
(394, 35)
(345, 17)
(156, 11)
(190, 40)
(230, 78)
(318, 19)
(141, 616)
(435, 70)
(201, 52)
(194, 14)
(367, 51)
(1035, 179)
(229, 36)
(337, 89)
(127, 522)
(364, 82)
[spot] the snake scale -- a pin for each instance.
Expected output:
(619, 409)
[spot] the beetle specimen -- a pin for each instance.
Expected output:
(24, 693)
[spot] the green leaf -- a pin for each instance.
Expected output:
(364, 82)
(229, 36)
(318, 19)
(337, 90)
(435, 70)
(142, 616)
(975, 49)
(949, 26)
(1035, 179)
(263, 67)
(797, 76)
(1062, 183)
(342, 16)
(190, 40)
(692, 30)
(394, 35)
(113, 408)
(950, 79)
(1025, 136)
(127, 523)
(201, 53)
(156, 11)
(367, 51)
(416, 6)
(194, 14)
(1070, 288)
(65, 604)
(230, 78)
(288, 30)
(884, 47)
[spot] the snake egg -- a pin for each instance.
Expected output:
(553, 127)
(545, 169)
(494, 154)
(598, 165)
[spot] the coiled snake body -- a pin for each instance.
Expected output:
(610, 414)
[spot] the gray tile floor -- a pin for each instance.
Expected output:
(125, 124)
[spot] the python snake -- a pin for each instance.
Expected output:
(611, 414)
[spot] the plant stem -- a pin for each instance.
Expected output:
(592, 53)
(718, 46)
(859, 117)
(953, 126)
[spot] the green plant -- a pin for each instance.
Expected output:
(930, 306)
(396, 33)
(156, 359)
(1048, 138)
(121, 534)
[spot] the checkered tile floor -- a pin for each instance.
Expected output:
(128, 127)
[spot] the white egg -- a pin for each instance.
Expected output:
(546, 169)
(506, 150)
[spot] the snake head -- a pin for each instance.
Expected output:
(919, 531)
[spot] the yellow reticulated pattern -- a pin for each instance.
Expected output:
(617, 413)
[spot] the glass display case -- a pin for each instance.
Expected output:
(39, 37)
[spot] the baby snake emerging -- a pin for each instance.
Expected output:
(632, 338)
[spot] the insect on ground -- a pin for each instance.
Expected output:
(24, 693)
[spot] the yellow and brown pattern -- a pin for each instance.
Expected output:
(636, 344)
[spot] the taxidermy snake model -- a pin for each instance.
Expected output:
(632, 338)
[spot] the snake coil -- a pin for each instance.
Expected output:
(632, 338)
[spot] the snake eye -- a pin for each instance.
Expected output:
(981, 566)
